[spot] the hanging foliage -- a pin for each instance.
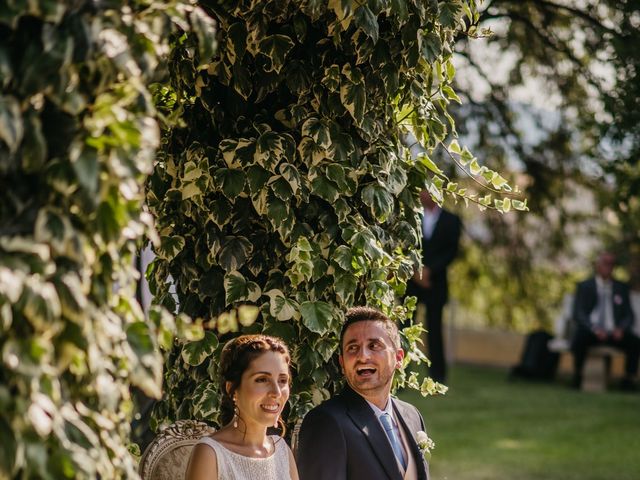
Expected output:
(283, 181)
(77, 140)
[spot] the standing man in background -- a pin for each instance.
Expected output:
(440, 241)
(603, 316)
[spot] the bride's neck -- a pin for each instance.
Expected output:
(250, 435)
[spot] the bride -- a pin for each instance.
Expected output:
(254, 374)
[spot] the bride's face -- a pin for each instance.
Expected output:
(264, 389)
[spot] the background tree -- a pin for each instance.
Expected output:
(553, 95)
(77, 140)
(285, 184)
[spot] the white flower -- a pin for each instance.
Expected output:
(425, 444)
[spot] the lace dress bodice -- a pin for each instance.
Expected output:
(233, 466)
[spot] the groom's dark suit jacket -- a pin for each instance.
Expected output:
(343, 440)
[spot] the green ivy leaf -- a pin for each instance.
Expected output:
(236, 41)
(194, 353)
(367, 21)
(11, 126)
(234, 252)
(281, 188)
(379, 200)
(231, 182)
(325, 188)
(275, 48)
(170, 247)
(205, 401)
(354, 98)
(280, 307)
(345, 285)
(239, 289)
(318, 131)
(316, 316)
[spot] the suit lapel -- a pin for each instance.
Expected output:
(413, 445)
(361, 414)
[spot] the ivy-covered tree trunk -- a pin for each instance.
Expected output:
(77, 140)
(285, 184)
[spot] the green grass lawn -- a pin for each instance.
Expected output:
(486, 428)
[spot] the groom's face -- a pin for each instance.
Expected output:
(369, 358)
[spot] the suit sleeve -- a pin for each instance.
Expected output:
(322, 450)
(627, 317)
(581, 312)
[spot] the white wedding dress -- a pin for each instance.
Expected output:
(233, 466)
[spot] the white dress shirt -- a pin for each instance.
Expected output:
(604, 289)
(429, 220)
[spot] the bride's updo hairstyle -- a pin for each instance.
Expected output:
(236, 356)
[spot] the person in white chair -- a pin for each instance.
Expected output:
(255, 379)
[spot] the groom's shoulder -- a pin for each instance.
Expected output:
(335, 405)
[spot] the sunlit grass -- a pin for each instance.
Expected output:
(486, 428)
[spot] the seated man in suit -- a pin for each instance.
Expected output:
(603, 316)
(363, 433)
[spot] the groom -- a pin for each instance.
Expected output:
(363, 433)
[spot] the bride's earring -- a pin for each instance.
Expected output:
(235, 413)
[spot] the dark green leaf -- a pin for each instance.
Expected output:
(316, 316)
(234, 253)
(275, 48)
(367, 21)
(230, 181)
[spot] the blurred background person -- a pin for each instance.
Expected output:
(441, 231)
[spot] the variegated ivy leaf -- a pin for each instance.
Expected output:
(257, 177)
(367, 243)
(281, 188)
(324, 188)
(269, 150)
(331, 78)
(194, 353)
(278, 211)
(343, 10)
(367, 21)
(54, 229)
(316, 316)
(239, 289)
(72, 296)
(427, 162)
(230, 181)
(236, 41)
(11, 126)
(291, 174)
(343, 257)
(318, 131)
(379, 200)
(345, 285)
(275, 49)
(280, 307)
(40, 304)
(397, 180)
(353, 96)
(170, 247)
(205, 401)
(311, 152)
(234, 252)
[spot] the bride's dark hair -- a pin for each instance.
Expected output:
(235, 358)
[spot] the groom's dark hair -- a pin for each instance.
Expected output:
(369, 314)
